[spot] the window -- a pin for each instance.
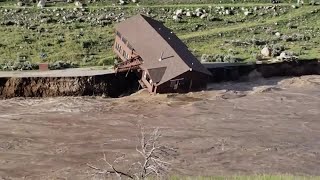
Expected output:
(125, 55)
(118, 47)
(176, 82)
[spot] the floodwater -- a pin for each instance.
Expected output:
(264, 126)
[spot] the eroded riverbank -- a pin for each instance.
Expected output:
(86, 82)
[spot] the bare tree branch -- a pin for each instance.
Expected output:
(113, 171)
(154, 159)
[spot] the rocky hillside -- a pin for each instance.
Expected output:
(82, 33)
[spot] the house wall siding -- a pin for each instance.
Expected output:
(197, 80)
(124, 48)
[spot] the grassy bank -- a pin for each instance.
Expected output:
(60, 33)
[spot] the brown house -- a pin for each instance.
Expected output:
(163, 61)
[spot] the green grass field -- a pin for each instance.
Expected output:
(33, 37)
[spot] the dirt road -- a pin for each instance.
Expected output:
(265, 126)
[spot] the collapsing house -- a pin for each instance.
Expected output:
(163, 62)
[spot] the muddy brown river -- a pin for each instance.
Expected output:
(268, 126)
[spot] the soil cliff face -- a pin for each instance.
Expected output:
(294, 68)
(110, 85)
(115, 85)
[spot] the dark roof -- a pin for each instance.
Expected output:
(152, 40)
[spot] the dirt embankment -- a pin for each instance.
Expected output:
(109, 85)
(294, 68)
(115, 85)
(247, 72)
